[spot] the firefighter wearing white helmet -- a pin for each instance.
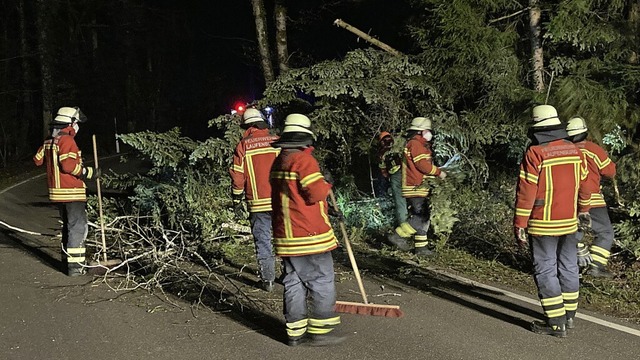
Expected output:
(65, 178)
(303, 237)
(417, 166)
(552, 168)
(252, 160)
(595, 257)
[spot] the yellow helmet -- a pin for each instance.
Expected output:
(297, 123)
(251, 116)
(576, 125)
(420, 124)
(545, 115)
(67, 115)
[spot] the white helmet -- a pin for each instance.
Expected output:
(251, 116)
(545, 115)
(297, 123)
(420, 124)
(67, 115)
(576, 125)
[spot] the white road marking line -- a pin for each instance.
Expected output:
(592, 319)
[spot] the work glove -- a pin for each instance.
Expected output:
(584, 257)
(90, 173)
(521, 236)
(584, 221)
(238, 206)
(442, 175)
(336, 213)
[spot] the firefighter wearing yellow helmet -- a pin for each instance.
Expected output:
(595, 257)
(552, 175)
(417, 166)
(303, 237)
(66, 175)
(252, 160)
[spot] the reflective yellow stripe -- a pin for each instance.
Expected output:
(288, 231)
(600, 251)
(237, 191)
(296, 329)
(561, 161)
(307, 180)
(552, 301)
(421, 157)
(555, 313)
(238, 168)
(523, 212)
(571, 295)
(76, 250)
(77, 170)
(405, 230)
(324, 322)
(552, 223)
(528, 177)
(533, 230)
(284, 175)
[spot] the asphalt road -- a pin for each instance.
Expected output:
(47, 315)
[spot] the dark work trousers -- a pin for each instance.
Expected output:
(261, 230)
(419, 218)
(313, 276)
(602, 236)
(555, 263)
(399, 201)
(74, 233)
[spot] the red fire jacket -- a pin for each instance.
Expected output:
(252, 162)
(300, 220)
(417, 165)
(550, 187)
(599, 165)
(64, 167)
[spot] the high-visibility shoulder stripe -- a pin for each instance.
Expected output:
(269, 150)
(562, 161)
(238, 168)
(307, 180)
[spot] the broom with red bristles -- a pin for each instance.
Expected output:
(364, 308)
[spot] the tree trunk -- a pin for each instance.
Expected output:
(634, 22)
(26, 102)
(537, 59)
(263, 42)
(45, 65)
(281, 36)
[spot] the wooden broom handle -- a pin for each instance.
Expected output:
(95, 161)
(347, 244)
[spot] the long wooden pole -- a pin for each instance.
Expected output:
(104, 241)
(347, 244)
(365, 36)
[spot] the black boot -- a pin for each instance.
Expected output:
(599, 272)
(399, 242)
(543, 328)
(75, 270)
(422, 251)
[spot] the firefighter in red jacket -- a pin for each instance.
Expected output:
(303, 237)
(417, 166)
(65, 175)
(552, 175)
(252, 160)
(596, 257)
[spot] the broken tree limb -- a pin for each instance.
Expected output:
(360, 33)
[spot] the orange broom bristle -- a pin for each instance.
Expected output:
(392, 311)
